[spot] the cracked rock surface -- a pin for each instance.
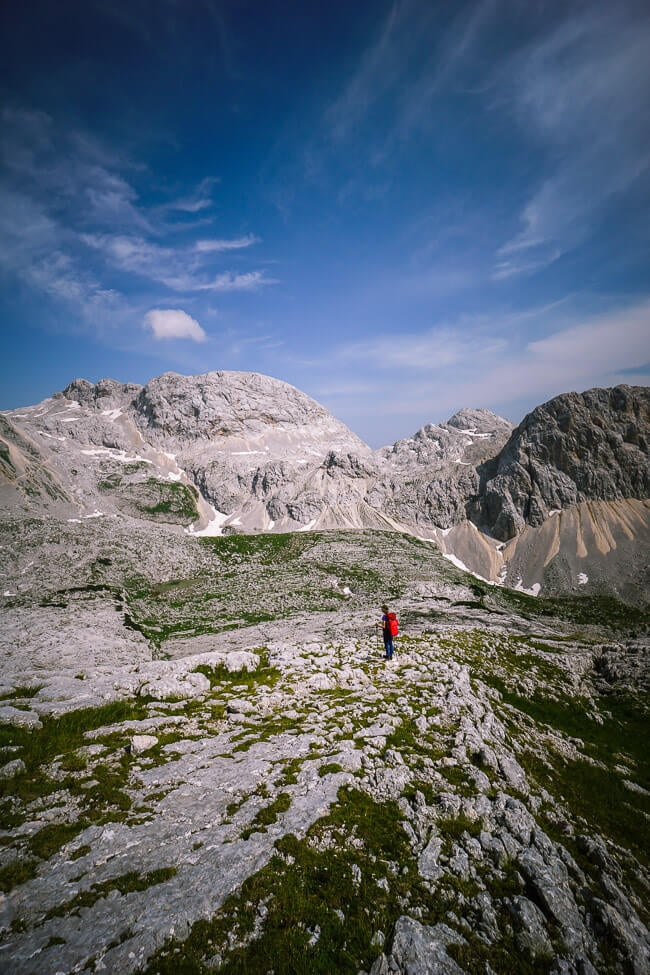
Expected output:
(298, 802)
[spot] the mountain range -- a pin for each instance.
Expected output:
(557, 504)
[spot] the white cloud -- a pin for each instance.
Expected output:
(410, 380)
(172, 323)
(434, 350)
(200, 199)
(228, 281)
(212, 246)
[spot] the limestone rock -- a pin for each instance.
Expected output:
(419, 949)
(142, 743)
(577, 447)
(531, 935)
(11, 769)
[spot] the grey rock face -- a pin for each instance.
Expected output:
(420, 950)
(220, 406)
(239, 452)
(240, 747)
(431, 476)
(577, 447)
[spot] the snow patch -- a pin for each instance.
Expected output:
(112, 414)
(213, 527)
(583, 579)
(461, 565)
(533, 591)
(308, 526)
(93, 514)
(116, 454)
(455, 561)
(555, 511)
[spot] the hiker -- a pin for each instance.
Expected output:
(389, 630)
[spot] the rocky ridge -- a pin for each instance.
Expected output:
(243, 452)
(578, 447)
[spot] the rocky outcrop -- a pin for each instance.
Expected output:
(404, 816)
(237, 410)
(590, 446)
(430, 477)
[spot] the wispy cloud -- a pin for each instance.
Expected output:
(173, 323)
(200, 199)
(228, 281)
(469, 364)
(178, 268)
(71, 216)
(406, 66)
(217, 246)
(580, 93)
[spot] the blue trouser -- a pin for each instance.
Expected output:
(388, 644)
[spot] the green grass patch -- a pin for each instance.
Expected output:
(52, 837)
(18, 872)
(267, 549)
(125, 883)
(302, 887)
(268, 815)
(21, 692)
(59, 737)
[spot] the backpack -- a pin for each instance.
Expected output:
(393, 624)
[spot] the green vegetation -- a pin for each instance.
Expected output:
(17, 872)
(125, 883)
(52, 765)
(268, 815)
(57, 737)
(301, 888)
(219, 675)
(265, 549)
(21, 692)
(167, 501)
(593, 787)
(595, 610)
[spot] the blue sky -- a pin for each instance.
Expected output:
(401, 208)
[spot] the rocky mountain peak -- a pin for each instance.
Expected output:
(576, 447)
(107, 393)
(223, 404)
(477, 420)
